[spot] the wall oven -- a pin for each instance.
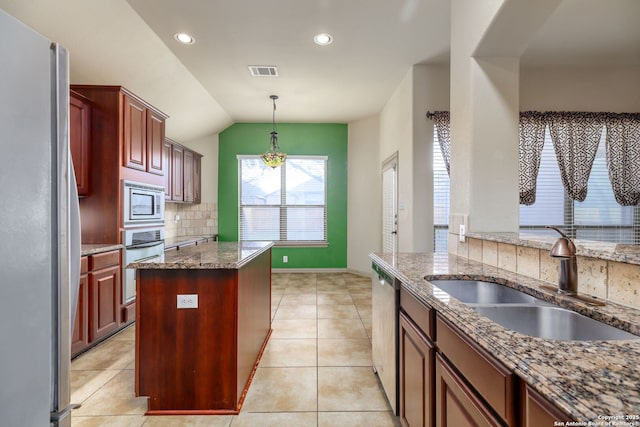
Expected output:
(143, 204)
(139, 244)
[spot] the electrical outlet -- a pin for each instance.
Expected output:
(188, 301)
(462, 233)
(285, 259)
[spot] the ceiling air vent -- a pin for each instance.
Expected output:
(263, 71)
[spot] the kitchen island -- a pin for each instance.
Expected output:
(202, 322)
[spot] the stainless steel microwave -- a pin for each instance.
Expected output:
(143, 204)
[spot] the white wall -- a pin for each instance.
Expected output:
(364, 194)
(613, 89)
(208, 147)
(484, 125)
(396, 134)
(404, 128)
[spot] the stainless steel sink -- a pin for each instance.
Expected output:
(526, 314)
(480, 292)
(551, 322)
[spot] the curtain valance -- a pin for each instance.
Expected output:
(575, 137)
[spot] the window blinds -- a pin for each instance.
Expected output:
(287, 205)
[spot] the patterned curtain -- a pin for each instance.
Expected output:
(623, 157)
(441, 120)
(575, 137)
(532, 125)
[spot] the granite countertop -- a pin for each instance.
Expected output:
(586, 379)
(609, 251)
(96, 248)
(211, 255)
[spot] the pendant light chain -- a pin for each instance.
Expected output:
(273, 158)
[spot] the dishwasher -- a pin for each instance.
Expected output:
(385, 295)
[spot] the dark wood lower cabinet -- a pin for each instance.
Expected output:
(105, 301)
(80, 337)
(457, 403)
(538, 411)
(417, 358)
(98, 311)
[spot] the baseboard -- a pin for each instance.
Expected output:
(320, 270)
(309, 270)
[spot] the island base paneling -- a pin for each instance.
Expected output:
(201, 360)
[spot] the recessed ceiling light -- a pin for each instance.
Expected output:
(184, 38)
(323, 39)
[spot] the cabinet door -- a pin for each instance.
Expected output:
(187, 166)
(135, 134)
(168, 169)
(538, 411)
(197, 178)
(155, 142)
(80, 337)
(79, 140)
(417, 359)
(456, 403)
(177, 183)
(493, 381)
(105, 301)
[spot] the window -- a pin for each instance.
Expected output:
(286, 205)
(599, 217)
(440, 198)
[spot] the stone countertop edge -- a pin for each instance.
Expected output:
(97, 248)
(586, 379)
(206, 256)
(609, 251)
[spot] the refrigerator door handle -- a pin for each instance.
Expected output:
(74, 243)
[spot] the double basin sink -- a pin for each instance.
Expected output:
(526, 314)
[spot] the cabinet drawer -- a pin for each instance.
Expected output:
(422, 316)
(107, 259)
(84, 264)
(495, 383)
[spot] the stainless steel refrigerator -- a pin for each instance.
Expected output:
(39, 231)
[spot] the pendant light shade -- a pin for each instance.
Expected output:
(273, 157)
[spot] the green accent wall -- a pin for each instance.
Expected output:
(295, 139)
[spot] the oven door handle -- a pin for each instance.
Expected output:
(146, 245)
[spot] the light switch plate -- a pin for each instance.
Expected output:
(463, 232)
(188, 301)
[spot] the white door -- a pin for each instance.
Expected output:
(390, 204)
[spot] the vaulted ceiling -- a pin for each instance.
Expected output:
(206, 86)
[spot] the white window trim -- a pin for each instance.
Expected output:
(289, 243)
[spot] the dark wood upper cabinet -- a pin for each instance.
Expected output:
(135, 134)
(126, 144)
(197, 178)
(155, 142)
(187, 163)
(80, 140)
(167, 148)
(177, 185)
(183, 173)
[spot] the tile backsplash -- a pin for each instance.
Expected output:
(615, 281)
(194, 220)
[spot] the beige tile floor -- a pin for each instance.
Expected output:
(315, 371)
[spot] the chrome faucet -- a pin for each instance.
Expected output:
(564, 249)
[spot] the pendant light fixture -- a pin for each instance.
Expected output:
(273, 157)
